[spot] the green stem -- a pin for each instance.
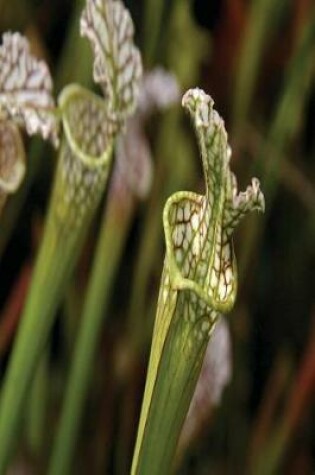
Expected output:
(284, 124)
(37, 407)
(262, 22)
(173, 389)
(152, 29)
(108, 253)
(71, 308)
(32, 334)
(75, 62)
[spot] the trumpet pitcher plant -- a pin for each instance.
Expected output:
(90, 127)
(199, 284)
(25, 102)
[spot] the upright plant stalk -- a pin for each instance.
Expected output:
(76, 57)
(299, 79)
(153, 10)
(215, 374)
(199, 283)
(37, 406)
(263, 19)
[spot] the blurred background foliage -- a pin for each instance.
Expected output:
(257, 60)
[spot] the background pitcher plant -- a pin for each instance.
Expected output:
(25, 102)
(90, 127)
